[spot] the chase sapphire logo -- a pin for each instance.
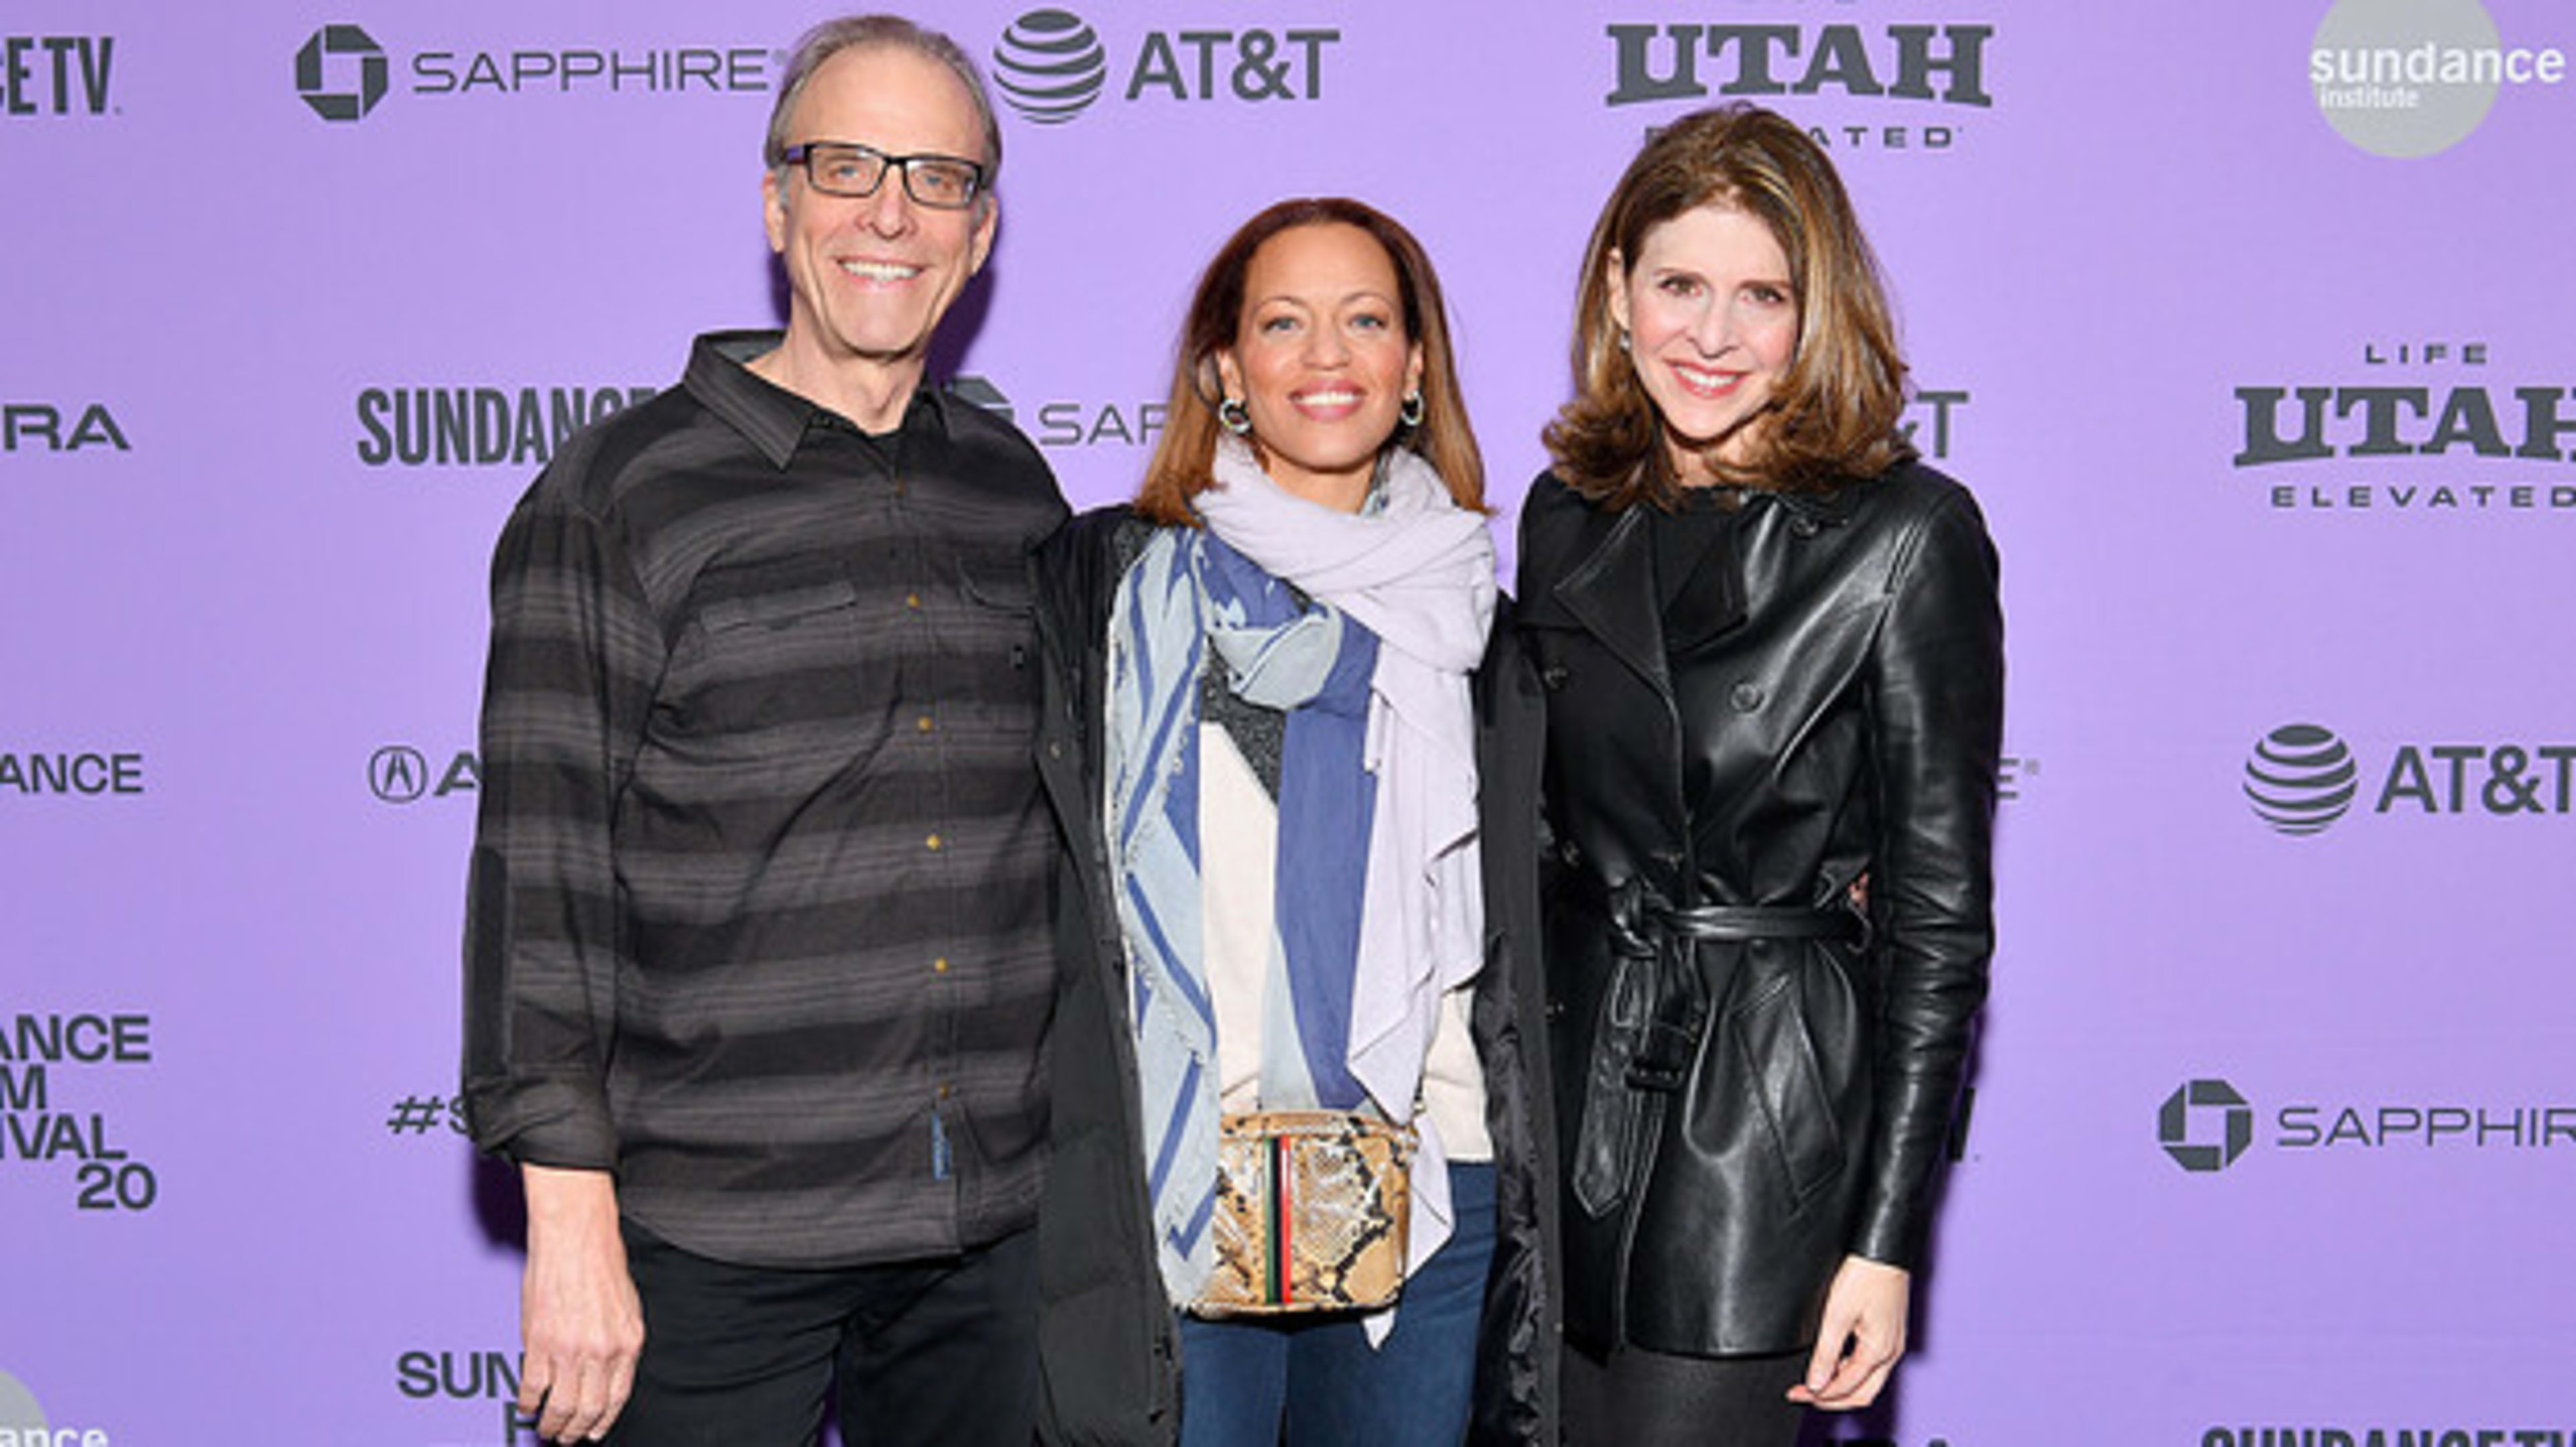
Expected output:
(2197, 1102)
(1050, 66)
(2301, 779)
(314, 64)
(977, 390)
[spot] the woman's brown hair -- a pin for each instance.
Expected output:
(1186, 452)
(1834, 416)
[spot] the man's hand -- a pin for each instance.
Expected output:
(1862, 1336)
(580, 1325)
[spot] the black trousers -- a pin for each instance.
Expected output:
(1649, 1399)
(939, 1351)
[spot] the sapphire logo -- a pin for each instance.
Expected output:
(2200, 1099)
(340, 104)
(1050, 66)
(2301, 779)
(982, 393)
(1075, 423)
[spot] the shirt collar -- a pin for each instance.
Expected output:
(774, 419)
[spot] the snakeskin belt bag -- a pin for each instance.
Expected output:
(1311, 1209)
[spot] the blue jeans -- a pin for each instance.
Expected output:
(1240, 1380)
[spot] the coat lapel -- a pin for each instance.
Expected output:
(1612, 594)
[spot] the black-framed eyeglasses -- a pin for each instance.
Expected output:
(846, 168)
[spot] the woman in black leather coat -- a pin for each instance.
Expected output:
(1771, 653)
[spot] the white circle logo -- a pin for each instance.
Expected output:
(2406, 78)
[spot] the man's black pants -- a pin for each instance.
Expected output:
(940, 1351)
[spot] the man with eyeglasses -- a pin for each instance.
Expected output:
(758, 963)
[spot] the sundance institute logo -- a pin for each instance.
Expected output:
(315, 84)
(2407, 78)
(2196, 1113)
(2301, 778)
(1050, 66)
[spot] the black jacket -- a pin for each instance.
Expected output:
(1106, 1333)
(1751, 1079)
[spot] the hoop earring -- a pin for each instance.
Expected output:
(1412, 409)
(1237, 421)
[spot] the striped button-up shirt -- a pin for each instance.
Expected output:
(759, 890)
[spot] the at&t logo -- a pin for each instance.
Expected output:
(2301, 778)
(401, 774)
(1051, 65)
(345, 90)
(2205, 1125)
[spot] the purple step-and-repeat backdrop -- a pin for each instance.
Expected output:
(2250, 324)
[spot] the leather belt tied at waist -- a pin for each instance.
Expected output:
(1653, 1014)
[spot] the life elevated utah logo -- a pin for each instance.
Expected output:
(343, 72)
(2423, 426)
(1693, 61)
(2301, 778)
(2412, 78)
(1051, 65)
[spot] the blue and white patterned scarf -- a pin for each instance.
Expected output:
(1403, 597)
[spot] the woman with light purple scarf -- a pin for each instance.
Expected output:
(1264, 667)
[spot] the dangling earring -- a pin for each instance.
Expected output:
(1623, 340)
(1411, 411)
(1236, 420)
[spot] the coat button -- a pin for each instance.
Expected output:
(1745, 696)
(1553, 676)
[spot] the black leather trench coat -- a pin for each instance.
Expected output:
(1755, 1071)
(1108, 1345)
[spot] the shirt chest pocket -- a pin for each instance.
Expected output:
(990, 655)
(776, 659)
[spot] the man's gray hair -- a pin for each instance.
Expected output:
(856, 31)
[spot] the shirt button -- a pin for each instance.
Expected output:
(932, 842)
